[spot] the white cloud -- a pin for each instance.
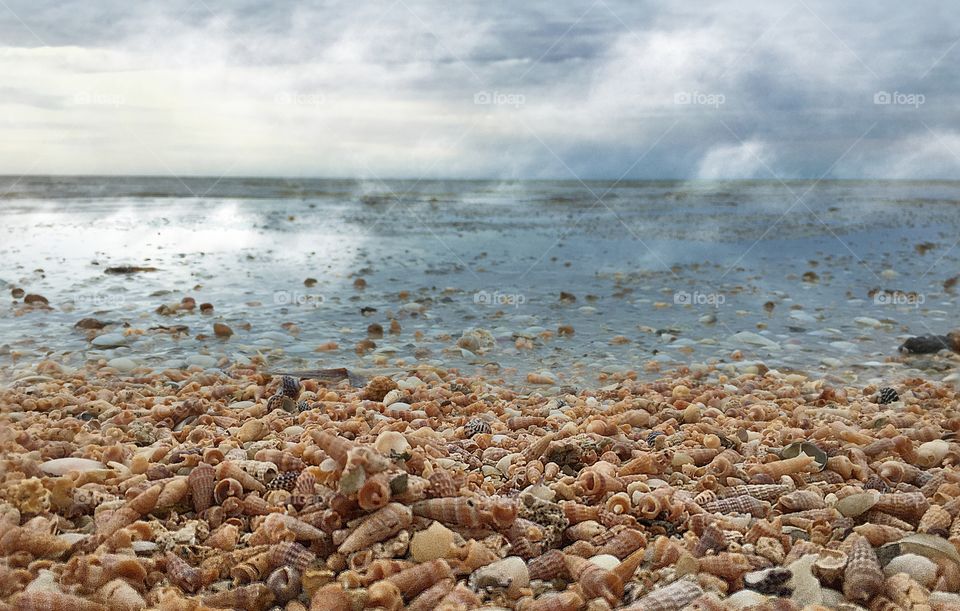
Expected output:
(736, 161)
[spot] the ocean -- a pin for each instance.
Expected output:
(578, 281)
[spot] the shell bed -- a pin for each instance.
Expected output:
(428, 490)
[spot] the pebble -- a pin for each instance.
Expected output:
(544, 378)
(922, 570)
(202, 360)
(122, 364)
(111, 340)
(222, 330)
(754, 339)
(866, 321)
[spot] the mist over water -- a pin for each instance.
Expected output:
(826, 277)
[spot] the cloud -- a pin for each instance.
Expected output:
(425, 88)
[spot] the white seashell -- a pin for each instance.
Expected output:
(432, 543)
(858, 503)
(932, 453)
(46, 581)
(392, 397)
(391, 443)
(62, 466)
(920, 569)
(605, 561)
(510, 574)
(744, 599)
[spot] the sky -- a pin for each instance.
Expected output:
(609, 89)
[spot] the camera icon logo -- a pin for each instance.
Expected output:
(882, 97)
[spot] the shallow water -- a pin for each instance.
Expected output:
(444, 257)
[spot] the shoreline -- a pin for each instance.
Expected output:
(679, 488)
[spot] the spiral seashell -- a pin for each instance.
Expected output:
(564, 601)
(285, 480)
(459, 511)
(337, 448)
(146, 501)
(34, 542)
(227, 488)
(331, 597)
(443, 484)
(284, 582)
(173, 492)
(880, 534)
(875, 516)
(430, 598)
(538, 448)
(460, 597)
(416, 579)
(624, 543)
(739, 504)
(119, 595)
(895, 471)
(673, 597)
(263, 471)
(201, 482)
(597, 484)
(41, 600)
(801, 500)
(728, 565)
(384, 595)
(182, 574)
(381, 568)
(284, 461)
(646, 463)
(381, 525)
(862, 577)
(549, 565)
(229, 469)
(292, 555)
(255, 568)
(908, 506)
(253, 597)
(619, 503)
(935, 521)
(664, 552)
(712, 539)
(300, 529)
(829, 566)
(798, 464)
(223, 538)
(931, 453)
(576, 512)
(375, 492)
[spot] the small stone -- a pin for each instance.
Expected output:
(202, 360)
(375, 331)
(222, 330)
(359, 284)
(90, 323)
(920, 569)
(17, 293)
(122, 364)
(110, 340)
(544, 378)
(377, 388)
(310, 282)
(32, 299)
(206, 308)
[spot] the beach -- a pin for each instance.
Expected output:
(322, 394)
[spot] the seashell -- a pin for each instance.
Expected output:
(36, 543)
(284, 582)
(922, 570)
(252, 430)
(764, 492)
(575, 512)
(62, 466)
(597, 484)
(416, 579)
(223, 538)
(253, 597)
(227, 488)
(285, 480)
(879, 534)
(173, 492)
(381, 525)
(53, 601)
(801, 500)
(255, 568)
(182, 574)
(564, 601)
(459, 511)
(908, 506)
(624, 543)
(331, 597)
(739, 504)
(146, 501)
(460, 597)
(301, 530)
(803, 447)
(432, 543)
(430, 598)
(857, 504)
(284, 461)
(337, 448)
(594, 581)
(201, 482)
(673, 597)
(728, 565)
(118, 594)
(510, 574)
(905, 593)
(443, 484)
(549, 565)
(829, 566)
(712, 539)
(392, 444)
(384, 595)
(896, 471)
(931, 453)
(263, 471)
(801, 463)
(381, 568)
(935, 521)
(229, 469)
(862, 577)
(293, 555)
(375, 492)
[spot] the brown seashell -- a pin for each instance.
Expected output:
(935, 521)
(909, 506)
(459, 511)
(624, 543)
(375, 492)
(223, 538)
(798, 464)
(263, 471)
(537, 449)
(430, 598)
(739, 504)
(278, 522)
(119, 595)
(594, 581)
(182, 574)
(712, 539)
(880, 534)
(829, 567)
(460, 597)
(730, 566)
(575, 512)
(36, 543)
(41, 600)
(381, 568)
(337, 448)
(255, 568)
(381, 525)
(228, 469)
(906, 593)
(416, 579)
(173, 492)
(596, 483)
(331, 597)
(146, 501)
(800, 500)
(284, 582)
(384, 595)
(648, 463)
(201, 482)
(227, 488)
(443, 484)
(293, 555)
(564, 601)
(672, 597)
(862, 577)
(549, 565)
(285, 461)
(253, 597)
